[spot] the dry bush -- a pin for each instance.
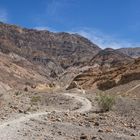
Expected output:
(35, 99)
(106, 102)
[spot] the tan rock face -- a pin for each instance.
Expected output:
(13, 74)
(109, 78)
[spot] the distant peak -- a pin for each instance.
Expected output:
(108, 49)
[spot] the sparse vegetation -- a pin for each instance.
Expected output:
(106, 102)
(35, 99)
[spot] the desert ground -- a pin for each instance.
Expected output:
(70, 115)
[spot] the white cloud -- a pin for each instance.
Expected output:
(42, 28)
(103, 40)
(3, 15)
(53, 7)
(57, 8)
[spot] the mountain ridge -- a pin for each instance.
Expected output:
(33, 44)
(52, 55)
(132, 52)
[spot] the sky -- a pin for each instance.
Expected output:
(108, 23)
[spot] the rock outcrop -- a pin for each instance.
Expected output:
(109, 78)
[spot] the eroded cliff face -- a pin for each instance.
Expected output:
(109, 78)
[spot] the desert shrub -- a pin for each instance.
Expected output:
(35, 99)
(106, 102)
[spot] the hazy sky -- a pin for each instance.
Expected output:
(109, 23)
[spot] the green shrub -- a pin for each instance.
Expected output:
(106, 102)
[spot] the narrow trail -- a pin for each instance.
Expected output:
(86, 106)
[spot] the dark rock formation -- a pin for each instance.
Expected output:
(55, 51)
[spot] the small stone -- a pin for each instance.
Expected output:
(33, 86)
(26, 89)
(125, 124)
(85, 114)
(93, 137)
(109, 130)
(25, 112)
(59, 120)
(80, 124)
(59, 132)
(133, 134)
(96, 124)
(66, 114)
(20, 111)
(3, 118)
(100, 130)
(132, 125)
(87, 124)
(83, 137)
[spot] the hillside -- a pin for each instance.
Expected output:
(109, 78)
(56, 57)
(132, 52)
(110, 58)
(17, 73)
(54, 51)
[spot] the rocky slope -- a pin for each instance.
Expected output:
(102, 61)
(132, 52)
(17, 72)
(110, 58)
(106, 79)
(43, 56)
(54, 51)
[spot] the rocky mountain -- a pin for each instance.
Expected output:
(54, 51)
(34, 56)
(104, 60)
(132, 52)
(110, 58)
